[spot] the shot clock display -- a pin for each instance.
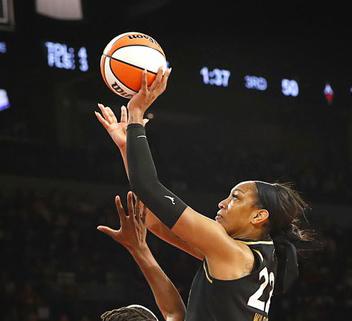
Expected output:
(62, 56)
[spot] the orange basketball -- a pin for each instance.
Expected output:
(124, 59)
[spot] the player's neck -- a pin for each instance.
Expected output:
(254, 234)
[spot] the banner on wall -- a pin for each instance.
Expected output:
(7, 18)
(60, 9)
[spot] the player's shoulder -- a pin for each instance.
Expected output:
(255, 243)
(262, 248)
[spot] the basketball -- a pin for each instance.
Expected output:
(124, 59)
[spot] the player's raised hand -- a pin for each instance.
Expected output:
(117, 130)
(140, 102)
(133, 230)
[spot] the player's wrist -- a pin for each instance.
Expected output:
(139, 251)
(122, 148)
(118, 143)
(135, 116)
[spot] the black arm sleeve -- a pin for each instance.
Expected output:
(144, 180)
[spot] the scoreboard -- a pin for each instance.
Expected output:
(63, 59)
(62, 56)
(47, 64)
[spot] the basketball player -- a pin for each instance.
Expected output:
(247, 250)
(132, 235)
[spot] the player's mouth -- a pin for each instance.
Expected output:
(218, 216)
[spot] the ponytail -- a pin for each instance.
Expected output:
(286, 253)
(285, 206)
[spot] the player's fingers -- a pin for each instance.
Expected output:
(166, 77)
(139, 209)
(107, 230)
(130, 206)
(107, 114)
(144, 213)
(158, 78)
(167, 73)
(102, 120)
(111, 114)
(144, 81)
(123, 114)
(120, 210)
(102, 109)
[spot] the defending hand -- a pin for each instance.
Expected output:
(133, 230)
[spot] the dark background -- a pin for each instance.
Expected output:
(59, 170)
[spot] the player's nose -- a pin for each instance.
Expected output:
(222, 205)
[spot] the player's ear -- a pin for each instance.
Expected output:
(261, 216)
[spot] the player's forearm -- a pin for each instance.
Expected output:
(166, 295)
(124, 158)
(159, 229)
(144, 179)
(163, 232)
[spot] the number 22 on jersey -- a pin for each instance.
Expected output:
(253, 300)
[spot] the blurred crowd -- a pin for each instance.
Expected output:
(214, 170)
(55, 265)
(190, 163)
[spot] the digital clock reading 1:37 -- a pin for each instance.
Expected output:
(217, 77)
(62, 56)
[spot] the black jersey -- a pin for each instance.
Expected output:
(244, 299)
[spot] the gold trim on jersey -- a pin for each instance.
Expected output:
(260, 254)
(260, 317)
(206, 273)
(256, 242)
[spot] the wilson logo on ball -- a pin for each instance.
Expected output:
(120, 91)
(143, 36)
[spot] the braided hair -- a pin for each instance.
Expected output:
(130, 313)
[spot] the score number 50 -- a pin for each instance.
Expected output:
(217, 77)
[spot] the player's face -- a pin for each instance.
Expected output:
(237, 210)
